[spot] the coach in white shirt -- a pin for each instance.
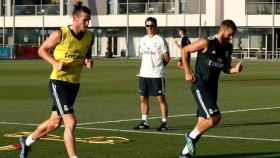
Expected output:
(155, 56)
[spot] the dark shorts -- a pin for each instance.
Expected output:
(206, 100)
(63, 95)
(180, 59)
(152, 86)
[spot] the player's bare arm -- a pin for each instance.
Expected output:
(88, 62)
(176, 43)
(232, 70)
(51, 43)
(200, 45)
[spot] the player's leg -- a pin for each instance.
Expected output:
(64, 94)
(180, 62)
(158, 89)
(204, 124)
(164, 113)
(208, 116)
(144, 107)
(163, 107)
(180, 65)
(44, 128)
(208, 112)
(69, 136)
(144, 104)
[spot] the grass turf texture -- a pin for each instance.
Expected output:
(110, 92)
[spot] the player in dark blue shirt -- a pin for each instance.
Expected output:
(214, 56)
(184, 41)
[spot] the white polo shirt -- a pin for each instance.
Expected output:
(152, 50)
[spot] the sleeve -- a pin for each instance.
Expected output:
(185, 41)
(165, 47)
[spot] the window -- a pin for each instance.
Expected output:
(192, 6)
(255, 7)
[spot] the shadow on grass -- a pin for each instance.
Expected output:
(180, 128)
(240, 155)
(225, 125)
(249, 124)
(243, 155)
(250, 79)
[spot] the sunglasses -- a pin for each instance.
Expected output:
(151, 26)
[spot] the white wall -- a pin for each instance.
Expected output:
(232, 9)
(209, 18)
(235, 10)
(260, 20)
(107, 20)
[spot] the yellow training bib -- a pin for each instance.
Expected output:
(72, 51)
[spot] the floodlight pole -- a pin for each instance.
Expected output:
(13, 42)
(273, 29)
(4, 17)
(127, 29)
(43, 21)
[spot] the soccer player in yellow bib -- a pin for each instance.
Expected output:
(72, 49)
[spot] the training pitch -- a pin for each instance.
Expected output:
(108, 106)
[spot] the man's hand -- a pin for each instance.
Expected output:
(88, 63)
(239, 66)
(61, 66)
(190, 77)
(175, 41)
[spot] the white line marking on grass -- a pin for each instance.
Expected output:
(157, 133)
(179, 134)
(135, 119)
(21, 124)
(174, 116)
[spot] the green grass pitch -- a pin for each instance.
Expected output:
(249, 101)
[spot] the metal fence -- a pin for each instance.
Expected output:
(157, 8)
(256, 8)
(31, 52)
(49, 9)
(256, 54)
(19, 52)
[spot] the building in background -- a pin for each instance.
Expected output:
(25, 25)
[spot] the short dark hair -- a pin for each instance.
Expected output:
(182, 29)
(153, 20)
(78, 7)
(229, 24)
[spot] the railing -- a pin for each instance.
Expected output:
(256, 54)
(266, 8)
(50, 9)
(23, 51)
(147, 8)
(158, 8)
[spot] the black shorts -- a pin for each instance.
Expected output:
(151, 86)
(180, 59)
(206, 100)
(63, 95)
